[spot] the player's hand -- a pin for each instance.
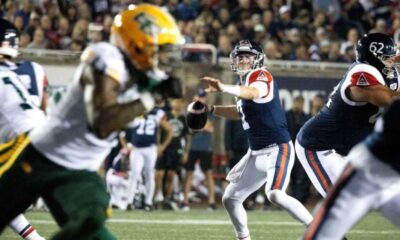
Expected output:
(214, 85)
(160, 150)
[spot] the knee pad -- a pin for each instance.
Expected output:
(227, 199)
(275, 196)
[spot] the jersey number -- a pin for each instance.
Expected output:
(146, 127)
(24, 105)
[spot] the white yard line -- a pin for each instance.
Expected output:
(212, 222)
(198, 222)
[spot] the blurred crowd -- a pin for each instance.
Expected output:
(307, 30)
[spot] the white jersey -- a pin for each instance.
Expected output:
(65, 138)
(32, 76)
(18, 113)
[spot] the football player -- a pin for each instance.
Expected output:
(60, 158)
(371, 181)
(357, 101)
(142, 134)
(20, 108)
(270, 157)
(174, 156)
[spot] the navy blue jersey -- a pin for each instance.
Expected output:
(32, 76)
(342, 123)
(384, 141)
(142, 131)
(263, 119)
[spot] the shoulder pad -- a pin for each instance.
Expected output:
(106, 58)
(259, 74)
(364, 75)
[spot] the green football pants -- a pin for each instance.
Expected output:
(77, 199)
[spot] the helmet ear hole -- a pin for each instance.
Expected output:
(138, 50)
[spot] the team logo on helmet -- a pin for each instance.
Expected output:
(147, 24)
(140, 30)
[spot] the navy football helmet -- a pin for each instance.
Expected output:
(378, 50)
(252, 49)
(9, 39)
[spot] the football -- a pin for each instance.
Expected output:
(196, 116)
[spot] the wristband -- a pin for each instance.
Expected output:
(231, 89)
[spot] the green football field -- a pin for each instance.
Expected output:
(201, 224)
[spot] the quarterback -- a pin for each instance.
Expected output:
(270, 157)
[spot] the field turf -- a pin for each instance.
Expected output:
(199, 224)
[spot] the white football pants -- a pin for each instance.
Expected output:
(142, 161)
(322, 167)
(272, 165)
(365, 184)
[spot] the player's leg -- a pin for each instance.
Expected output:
(206, 167)
(391, 209)
(350, 199)
(246, 177)
(136, 161)
(172, 167)
(78, 200)
(20, 224)
(117, 186)
(149, 175)
(17, 189)
(322, 167)
(389, 200)
(160, 176)
(22, 227)
(280, 164)
(187, 182)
